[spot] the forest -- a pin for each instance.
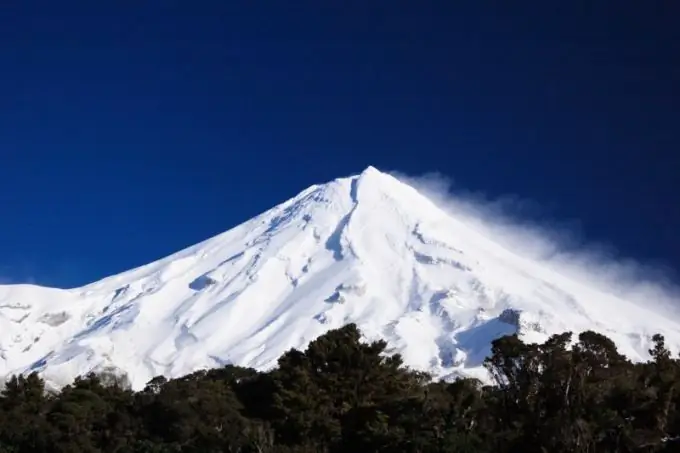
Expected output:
(342, 394)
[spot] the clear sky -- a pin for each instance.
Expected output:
(129, 130)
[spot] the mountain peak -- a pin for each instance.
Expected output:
(367, 249)
(370, 170)
(373, 176)
(373, 180)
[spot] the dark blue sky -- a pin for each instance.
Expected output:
(128, 131)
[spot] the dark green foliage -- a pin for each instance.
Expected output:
(346, 395)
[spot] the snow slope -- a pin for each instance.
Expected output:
(367, 249)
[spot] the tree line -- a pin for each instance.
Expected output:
(344, 395)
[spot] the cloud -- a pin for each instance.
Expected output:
(528, 229)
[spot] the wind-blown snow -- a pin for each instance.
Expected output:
(367, 249)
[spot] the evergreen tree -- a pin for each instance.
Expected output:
(346, 394)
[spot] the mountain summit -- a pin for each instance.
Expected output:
(367, 249)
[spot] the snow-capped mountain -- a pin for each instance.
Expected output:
(367, 249)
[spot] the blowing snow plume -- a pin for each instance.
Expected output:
(433, 276)
(514, 223)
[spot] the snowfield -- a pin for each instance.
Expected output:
(367, 249)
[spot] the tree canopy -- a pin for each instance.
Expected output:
(345, 395)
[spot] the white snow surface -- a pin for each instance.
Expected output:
(367, 249)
